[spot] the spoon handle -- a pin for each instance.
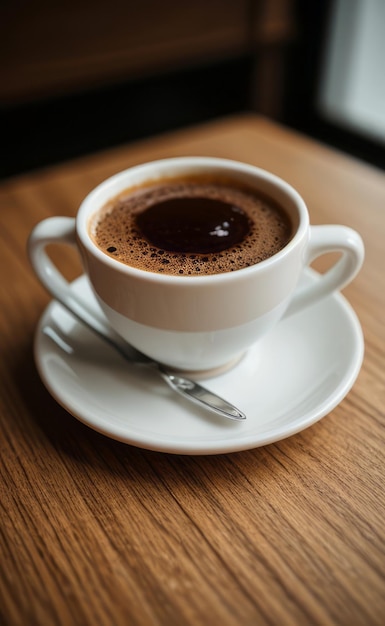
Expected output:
(187, 388)
(200, 395)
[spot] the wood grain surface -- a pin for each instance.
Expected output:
(95, 532)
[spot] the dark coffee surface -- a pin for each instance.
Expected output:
(191, 227)
(196, 224)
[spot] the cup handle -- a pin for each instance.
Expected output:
(324, 239)
(60, 230)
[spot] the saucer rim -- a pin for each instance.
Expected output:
(251, 439)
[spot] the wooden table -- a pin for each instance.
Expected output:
(97, 532)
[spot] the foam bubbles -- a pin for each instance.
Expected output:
(116, 232)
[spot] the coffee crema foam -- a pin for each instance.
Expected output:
(225, 228)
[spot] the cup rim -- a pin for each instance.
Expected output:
(114, 185)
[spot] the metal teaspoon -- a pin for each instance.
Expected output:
(184, 386)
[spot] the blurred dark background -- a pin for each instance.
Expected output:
(77, 76)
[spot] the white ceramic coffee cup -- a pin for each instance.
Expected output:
(204, 322)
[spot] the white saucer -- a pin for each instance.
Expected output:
(292, 378)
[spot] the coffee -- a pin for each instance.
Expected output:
(191, 226)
